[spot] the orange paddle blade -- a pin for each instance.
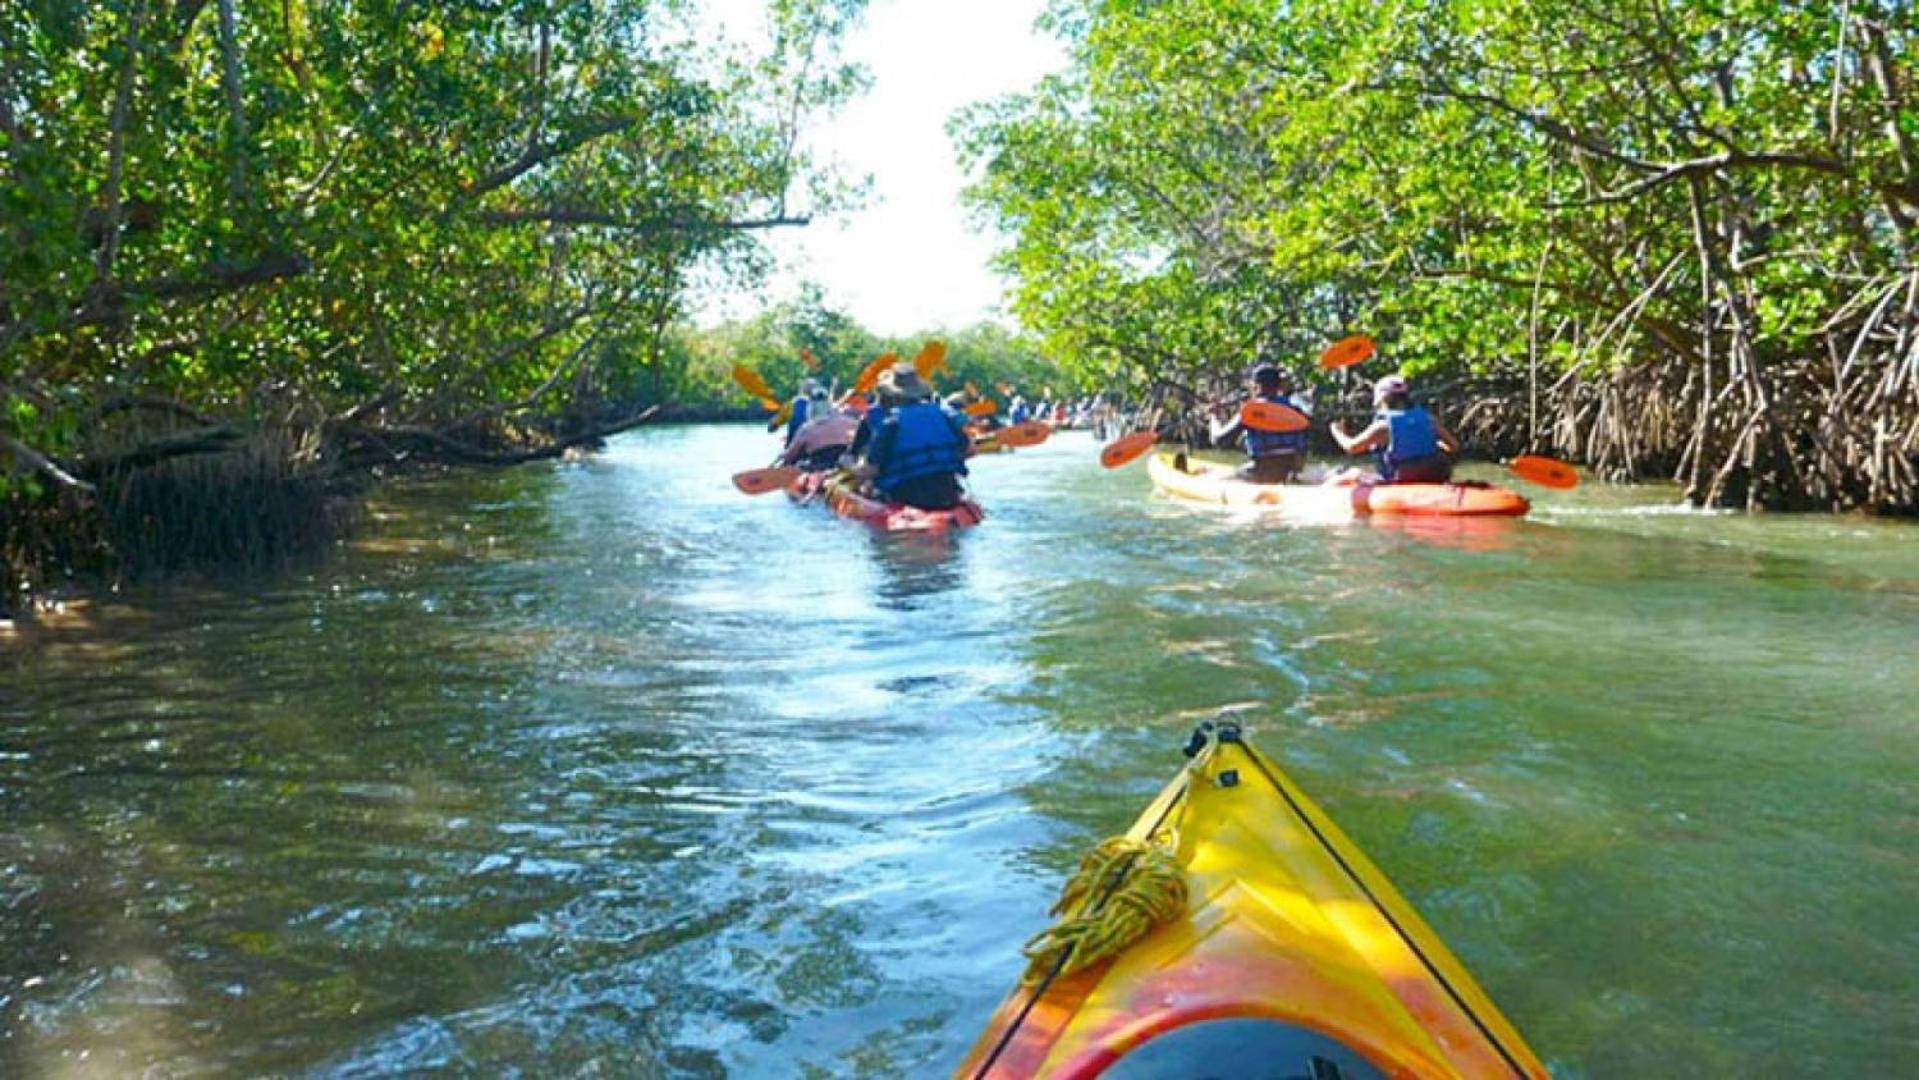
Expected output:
(931, 358)
(1346, 352)
(781, 415)
(1272, 416)
(1544, 471)
(769, 405)
(751, 382)
(1031, 433)
(812, 362)
(982, 408)
(761, 481)
(870, 375)
(1126, 448)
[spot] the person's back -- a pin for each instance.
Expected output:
(1408, 442)
(1273, 457)
(918, 453)
(824, 440)
(800, 409)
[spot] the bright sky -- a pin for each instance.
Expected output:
(908, 260)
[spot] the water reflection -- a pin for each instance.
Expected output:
(913, 567)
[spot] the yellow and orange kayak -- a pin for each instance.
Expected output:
(1290, 955)
(1215, 484)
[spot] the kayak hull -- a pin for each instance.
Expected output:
(1287, 926)
(1217, 485)
(843, 498)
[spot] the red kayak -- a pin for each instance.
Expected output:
(842, 497)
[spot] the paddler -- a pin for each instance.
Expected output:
(801, 407)
(1273, 457)
(1411, 445)
(824, 438)
(918, 452)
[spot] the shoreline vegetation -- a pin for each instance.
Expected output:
(1674, 241)
(248, 259)
(251, 264)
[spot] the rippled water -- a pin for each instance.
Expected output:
(607, 765)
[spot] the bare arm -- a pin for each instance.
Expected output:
(1447, 440)
(1366, 441)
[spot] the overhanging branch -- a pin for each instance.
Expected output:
(567, 215)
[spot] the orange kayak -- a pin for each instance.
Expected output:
(843, 497)
(1215, 484)
(1286, 953)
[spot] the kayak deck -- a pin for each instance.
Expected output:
(1290, 933)
(1207, 482)
(842, 497)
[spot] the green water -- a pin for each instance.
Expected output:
(607, 766)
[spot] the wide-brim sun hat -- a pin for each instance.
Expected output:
(904, 383)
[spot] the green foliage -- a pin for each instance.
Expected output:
(450, 210)
(1217, 179)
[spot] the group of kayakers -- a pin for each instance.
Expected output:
(1409, 444)
(906, 445)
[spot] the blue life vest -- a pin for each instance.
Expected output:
(1410, 436)
(917, 440)
(1261, 444)
(798, 419)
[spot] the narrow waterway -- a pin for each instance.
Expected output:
(607, 764)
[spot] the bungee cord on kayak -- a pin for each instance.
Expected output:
(1122, 890)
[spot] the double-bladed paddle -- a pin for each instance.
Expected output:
(1346, 352)
(931, 358)
(1544, 471)
(1030, 433)
(1273, 416)
(761, 481)
(751, 382)
(1126, 448)
(870, 375)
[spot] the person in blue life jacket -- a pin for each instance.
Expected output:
(918, 452)
(1019, 413)
(798, 410)
(1411, 445)
(1272, 457)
